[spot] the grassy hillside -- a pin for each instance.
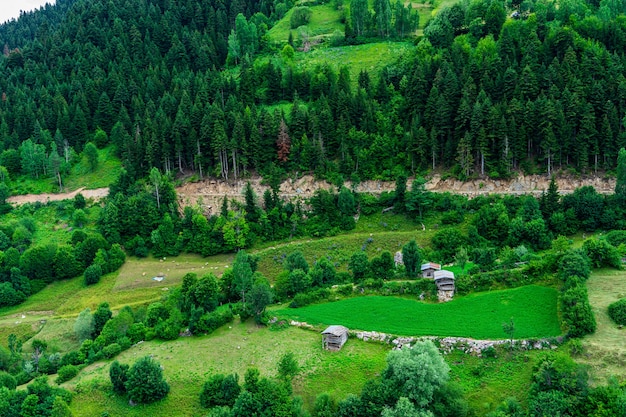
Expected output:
(339, 249)
(370, 57)
(325, 20)
(604, 350)
(478, 316)
(188, 362)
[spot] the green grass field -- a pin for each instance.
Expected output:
(324, 21)
(188, 362)
(487, 382)
(138, 273)
(478, 316)
(604, 350)
(370, 57)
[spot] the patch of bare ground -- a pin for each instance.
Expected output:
(96, 194)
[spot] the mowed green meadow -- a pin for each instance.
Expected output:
(479, 316)
(188, 362)
(604, 349)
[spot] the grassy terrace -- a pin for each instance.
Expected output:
(479, 316)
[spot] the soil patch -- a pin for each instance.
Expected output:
(96, 194)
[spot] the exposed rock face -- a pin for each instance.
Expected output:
(522, 184)
(212, 192)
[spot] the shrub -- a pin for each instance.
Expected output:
(92, 274)
(616, 237)
(451, 217)
(7, 380)
(145, 382)
(136, 332)
(310, 297)
(490, 352)
(72, 358)
(617, 311)
(220, 390)
(602, 253)
(111, 351)
(215, 319)
(300, 16)
(577, 312)
(119, 375)
(369, 204)
(23, 377)
(66, 373)
(575, 262)
(345, 290)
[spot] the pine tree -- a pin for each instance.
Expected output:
(411, 258)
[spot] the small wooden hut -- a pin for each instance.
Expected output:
(444, 280)
(428, 269)
(334, 337)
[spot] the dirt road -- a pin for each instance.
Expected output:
(96, 194)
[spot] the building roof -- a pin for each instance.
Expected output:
(335, 330)
(431, 265)
(443, 274)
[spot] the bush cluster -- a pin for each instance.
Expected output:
(143, 382)
(617, 312)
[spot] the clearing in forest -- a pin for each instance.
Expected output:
(478, 316)
(325, 19)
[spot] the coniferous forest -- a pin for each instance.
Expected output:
(490, 88)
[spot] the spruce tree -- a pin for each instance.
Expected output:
(412, 258)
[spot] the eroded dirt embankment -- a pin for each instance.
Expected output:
(211, 192)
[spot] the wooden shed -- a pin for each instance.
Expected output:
(428, 269)
(444, 280)
(334, 337)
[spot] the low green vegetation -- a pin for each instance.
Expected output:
(479, 316)
(325, 19)
(617, 312)
(370, 57)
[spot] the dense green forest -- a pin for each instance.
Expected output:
(480, 94)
